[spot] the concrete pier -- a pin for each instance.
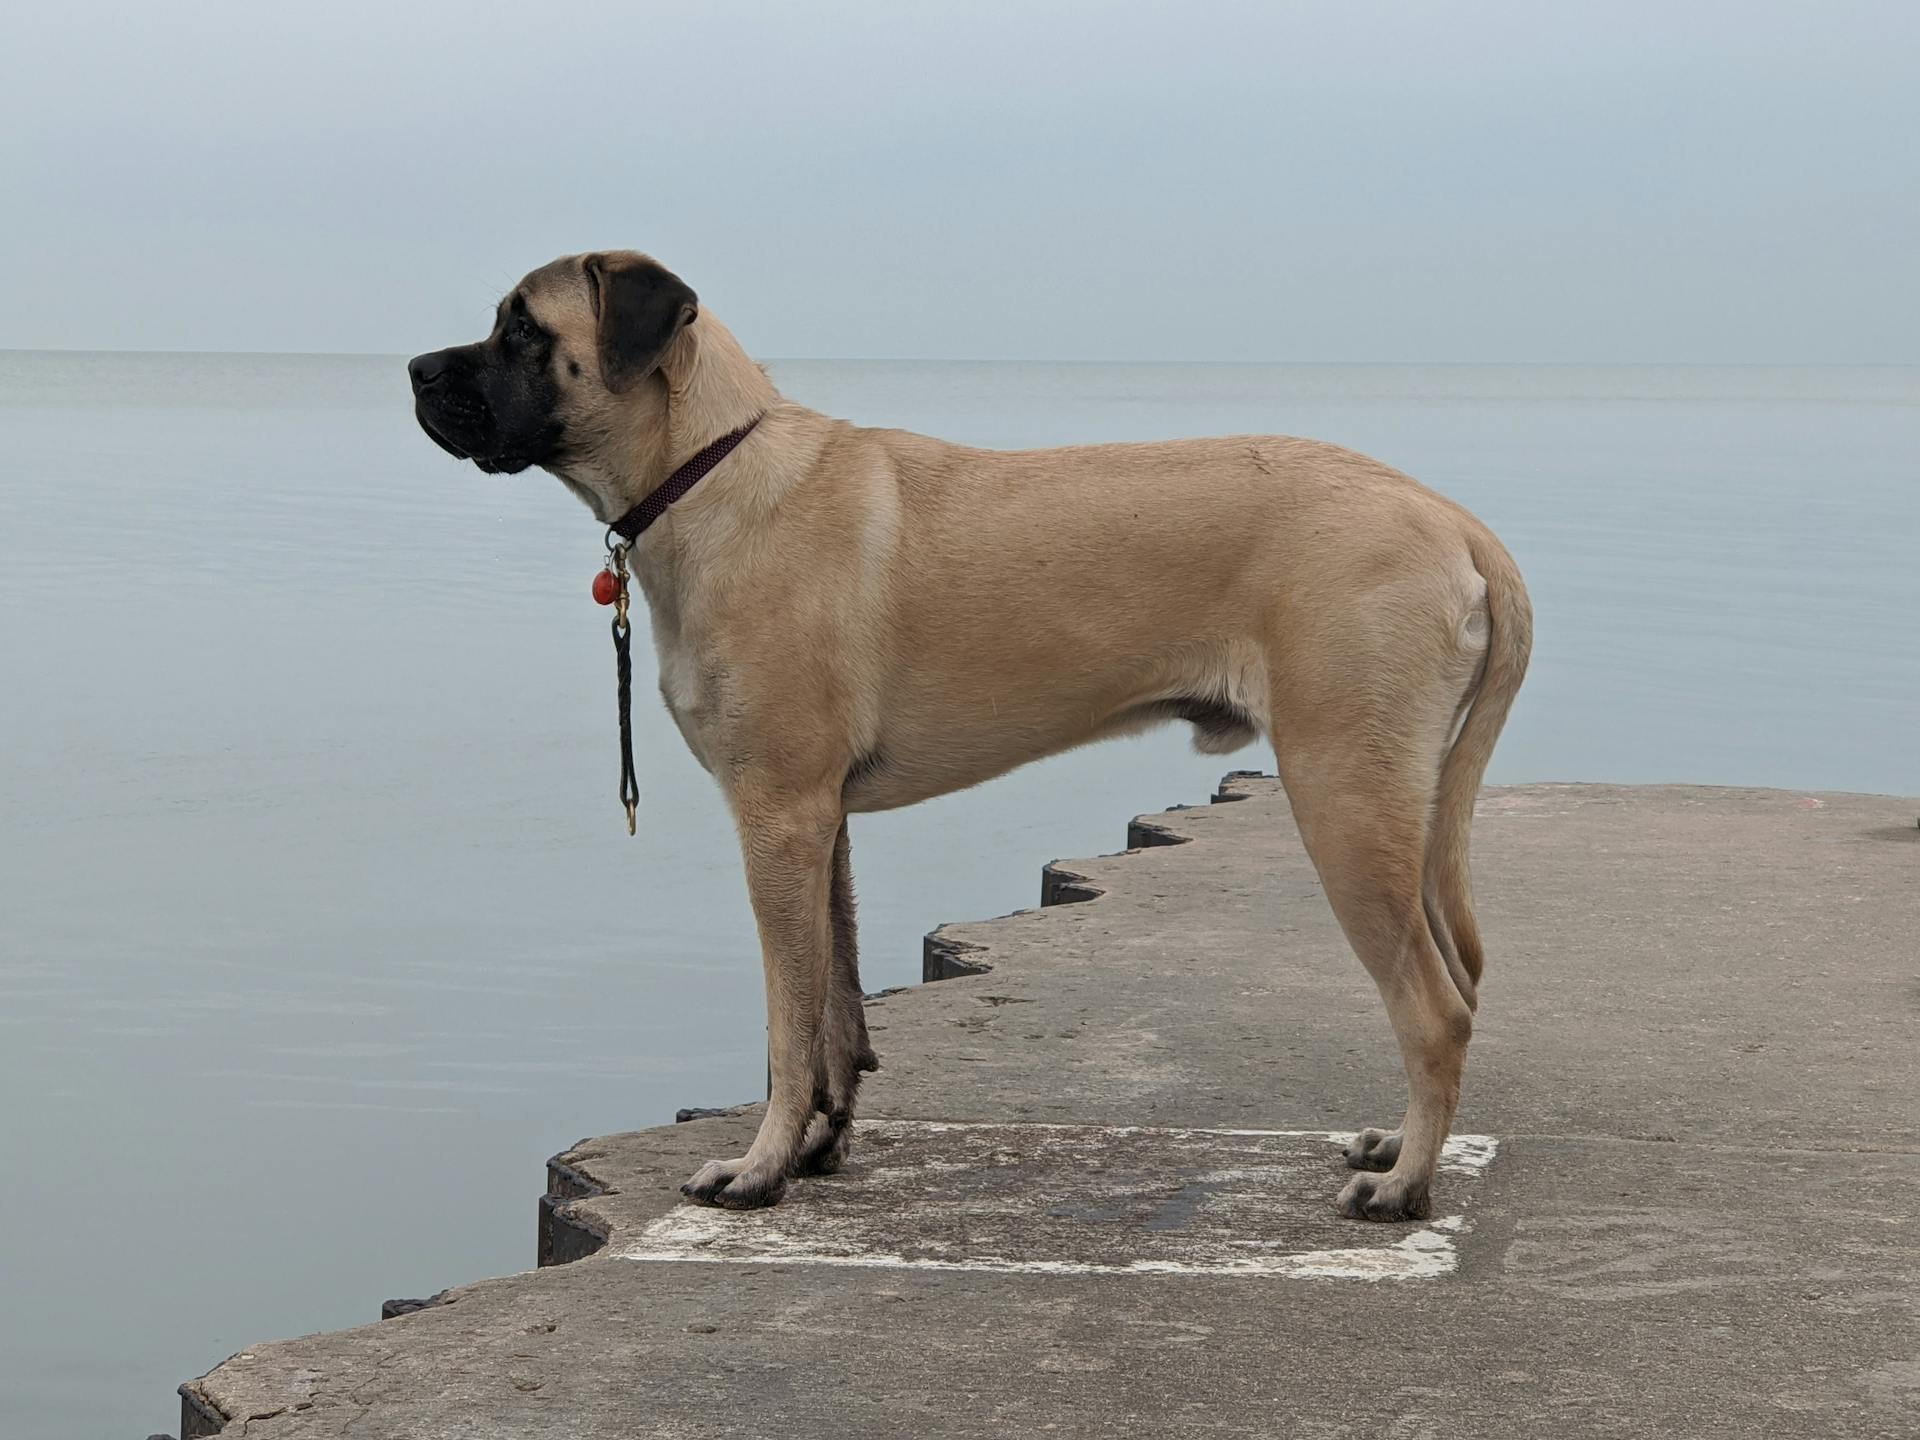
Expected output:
(1091, 1192)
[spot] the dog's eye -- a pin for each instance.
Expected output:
(520, 329)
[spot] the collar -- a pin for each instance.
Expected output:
(632, 525)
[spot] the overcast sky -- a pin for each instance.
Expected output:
(1473, 180)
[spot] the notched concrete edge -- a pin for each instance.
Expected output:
(1146, 833)
(394, 1309)
(567, 1231)
(199, 1416)
(1234, 785)
(946, 957)
(1061, 886)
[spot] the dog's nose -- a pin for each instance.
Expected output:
(426, 370)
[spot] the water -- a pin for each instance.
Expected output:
(319, 913)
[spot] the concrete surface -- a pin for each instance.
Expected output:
(1683, 1196)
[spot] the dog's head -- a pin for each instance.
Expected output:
(571, 372)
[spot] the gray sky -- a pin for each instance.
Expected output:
(1580, 180)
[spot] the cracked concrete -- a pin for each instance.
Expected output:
(1697, 1211)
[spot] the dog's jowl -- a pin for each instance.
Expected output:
(1375, 632)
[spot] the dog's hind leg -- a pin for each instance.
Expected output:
(844, 1052)
(1364, 824)
(1503, 625)
(1361, 745)
(1364, 827)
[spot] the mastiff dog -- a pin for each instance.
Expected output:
(849, 619)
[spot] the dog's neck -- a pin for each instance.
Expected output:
(712, 388)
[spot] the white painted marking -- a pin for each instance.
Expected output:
(1110, 1187)
(690, 1234)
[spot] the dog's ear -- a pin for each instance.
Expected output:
(640, 307)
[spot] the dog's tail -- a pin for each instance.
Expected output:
(1448, 884)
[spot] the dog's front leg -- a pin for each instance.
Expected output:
(788, 842)
(844, 1052)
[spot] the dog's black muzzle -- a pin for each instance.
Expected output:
(452, 410)
(456, 399)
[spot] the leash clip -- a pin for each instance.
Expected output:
(617, 562)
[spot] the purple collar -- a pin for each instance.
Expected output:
(632, 525)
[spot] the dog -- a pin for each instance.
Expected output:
(852, 619)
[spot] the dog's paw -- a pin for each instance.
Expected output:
(735, 1185)
(824, 1151)
(1386, 1197)
(1374, 1150)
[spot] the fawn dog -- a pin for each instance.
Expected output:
(851, 619)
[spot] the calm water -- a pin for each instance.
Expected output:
(318, 907)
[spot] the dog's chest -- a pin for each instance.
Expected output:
(691, 680)
(684, 683)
